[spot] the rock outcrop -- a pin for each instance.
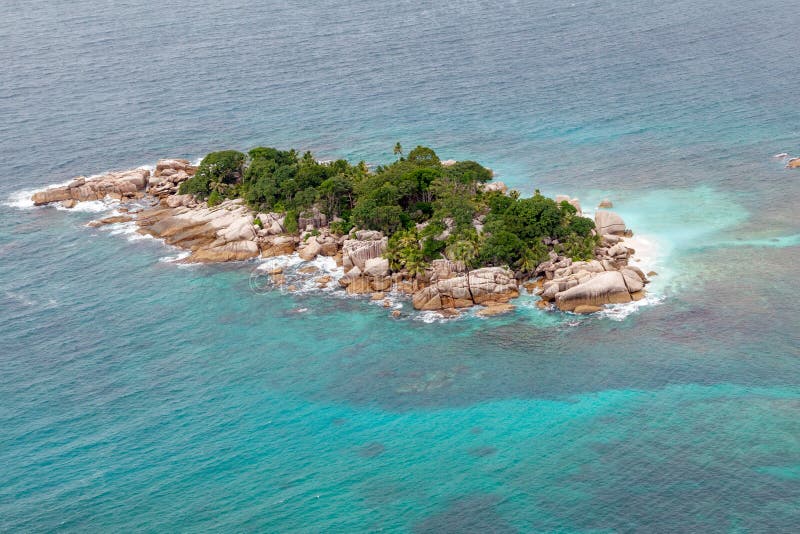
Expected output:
(602, 288)
(310, 249)
(118, 185)
(494, 186)
(583, 287)
(311, 220)
(218, 234)
(366, 246)
(168, 176)
(279, 245)
(608, 222)
(271, 224)
(481, 286)
(376, 267)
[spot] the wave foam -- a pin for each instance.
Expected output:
(176, 258)
(618, 312)
(92, 206)
(22, 199)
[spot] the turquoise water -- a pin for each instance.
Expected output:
(139, 395)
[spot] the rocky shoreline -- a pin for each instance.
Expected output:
(231, 231)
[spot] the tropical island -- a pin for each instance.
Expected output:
(441, 231)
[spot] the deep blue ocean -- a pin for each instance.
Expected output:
(139, 395)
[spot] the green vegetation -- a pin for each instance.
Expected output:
(219, 172)
(429, 210)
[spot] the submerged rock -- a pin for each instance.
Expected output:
(585, 309)
(114, 219)
(496, 309)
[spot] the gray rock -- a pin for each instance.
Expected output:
(376, 267)
(604, 288)
(311, 250)
(356, 252)
(608, 222)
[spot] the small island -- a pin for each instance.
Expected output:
(442, 232)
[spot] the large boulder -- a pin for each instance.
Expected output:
(481, 286)
(54, 194)
(455, 292)
(311, 249)
(492, 284)
(272, 223)
(312, 219)
(226, 251)
(355, 252)
(171, 167)
(427, 298)
(376, 267)
(176, 201)
(360, 286)
(280, 245)
(369, 235)
(240, 229)
(494, 186)
(608, 222)
(602, 288)
(443, 268)
(633, 281)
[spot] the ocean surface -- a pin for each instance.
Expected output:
(140, 395)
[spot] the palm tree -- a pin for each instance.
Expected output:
(398, 149)
(528, 262)
(394, 253)
(465, 251)
(415, 264)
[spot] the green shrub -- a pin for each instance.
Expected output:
(579, 248)
(341, 227)
(502, 248)
(423, 156)
(290, 222)
(216, 170)
(214, 199)
(432, 248)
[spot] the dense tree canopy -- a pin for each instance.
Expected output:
(429, 209)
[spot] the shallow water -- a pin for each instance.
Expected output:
(140, 394)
